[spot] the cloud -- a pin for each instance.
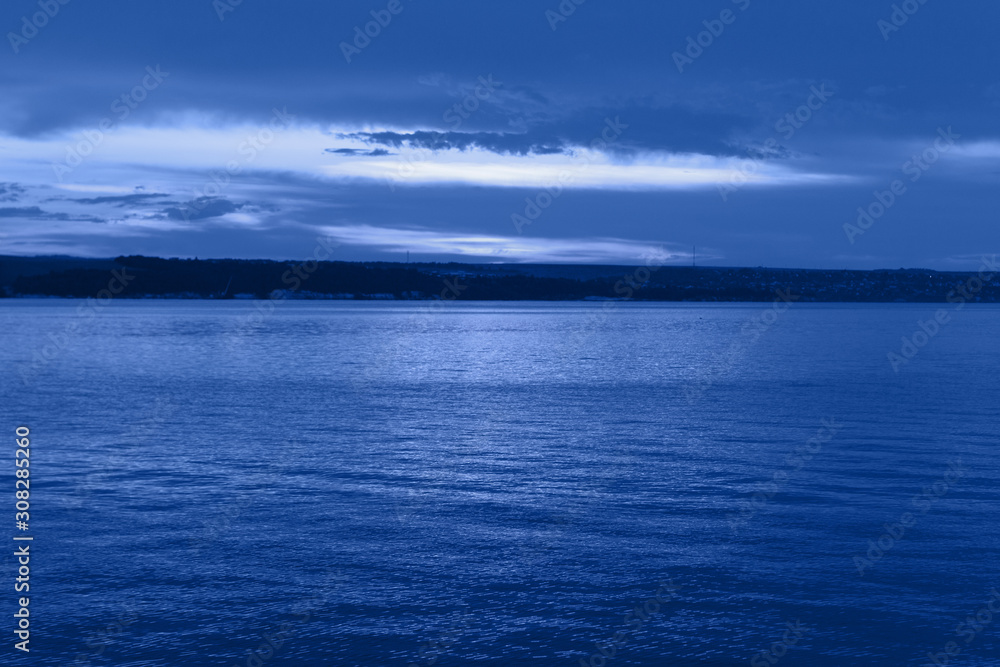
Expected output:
(11, 191)
(23, 212)
(34, 212)
(203, 208)
(494, 142)
(583, 169)
(122, 200)
(607, 160)
(386, 117)
(378, 152)
(507, 248)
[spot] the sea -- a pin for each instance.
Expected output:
(491, 484)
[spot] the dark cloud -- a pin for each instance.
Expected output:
(649, 124)
(23, 212)
(11, 191)
(203, 208)
(122, 200)
(378, 152)
(600, 55)
(36, 213)
(33, 212)
(508, 144)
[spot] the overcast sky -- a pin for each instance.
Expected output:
(519, 131)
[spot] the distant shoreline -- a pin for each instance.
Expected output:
(140, 277)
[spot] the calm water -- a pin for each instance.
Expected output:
(500, 484)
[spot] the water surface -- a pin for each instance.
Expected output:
(499, 484)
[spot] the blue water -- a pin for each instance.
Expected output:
(499, 484)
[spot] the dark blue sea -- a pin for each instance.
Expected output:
(377, 483)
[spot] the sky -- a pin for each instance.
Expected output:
(850, 134)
